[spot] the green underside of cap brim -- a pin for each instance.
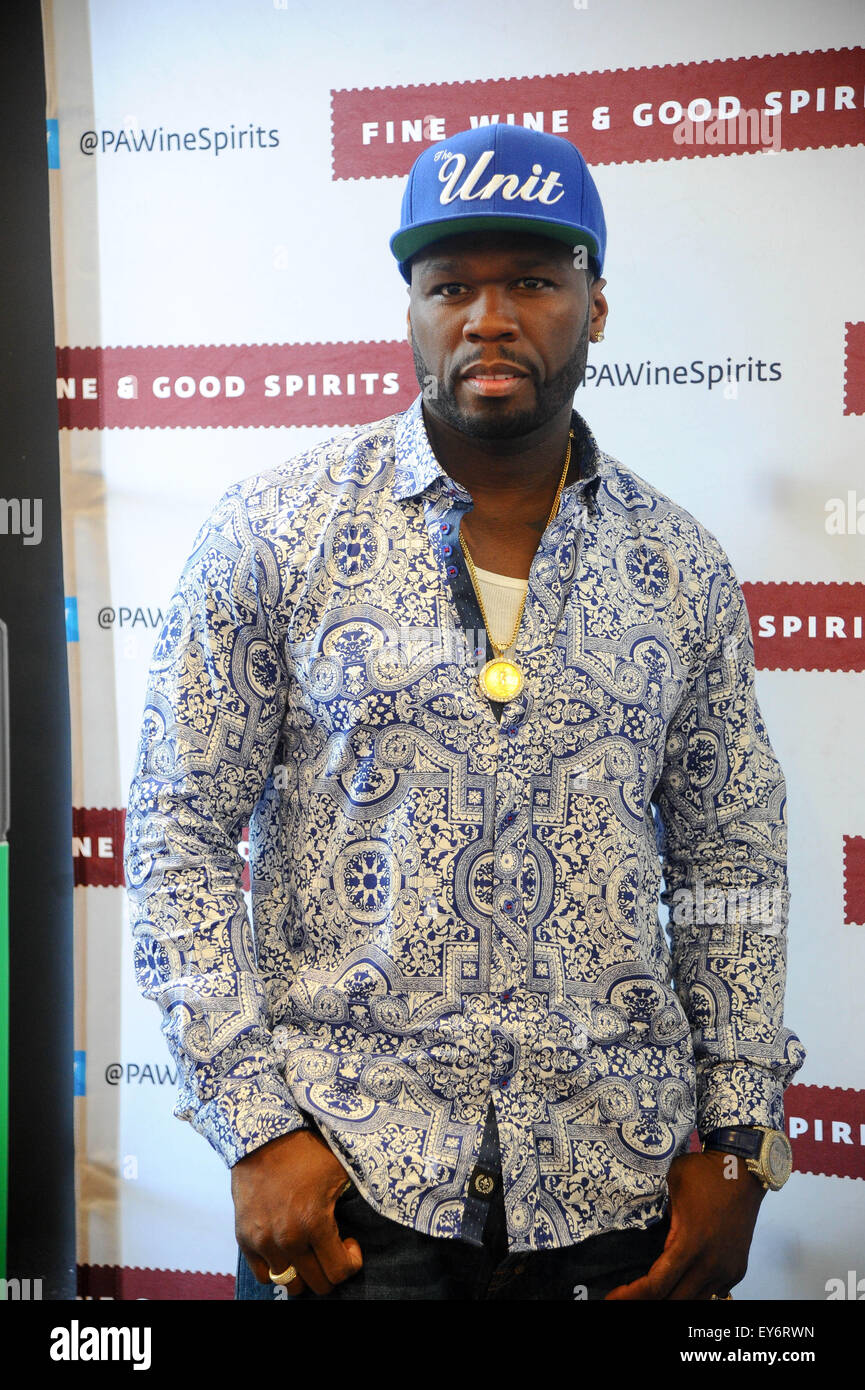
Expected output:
(407, 244)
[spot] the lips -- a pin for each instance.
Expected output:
(494, 378)
(494, 369)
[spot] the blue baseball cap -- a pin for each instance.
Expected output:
(500, 178)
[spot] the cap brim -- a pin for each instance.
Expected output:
(406, 244)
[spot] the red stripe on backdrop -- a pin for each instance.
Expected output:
(97, 848)
(601, 111)
(245, 384)
(128, 1284)
(854, 369)
(807, 627)
(826, 1125)
(854, 880)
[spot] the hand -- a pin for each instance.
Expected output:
(284, 1194)
(714, 1201)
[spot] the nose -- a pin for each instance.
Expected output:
(491, 317)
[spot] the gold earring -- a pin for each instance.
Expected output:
(597, 337)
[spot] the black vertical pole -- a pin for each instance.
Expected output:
(41, 1226)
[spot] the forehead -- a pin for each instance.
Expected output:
(492, 251)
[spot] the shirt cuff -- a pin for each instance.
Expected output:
(737, 1093)
(246, 1114)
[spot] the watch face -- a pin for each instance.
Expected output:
(778, 1160)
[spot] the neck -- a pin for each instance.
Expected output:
(503, 471)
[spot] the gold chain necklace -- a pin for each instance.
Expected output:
(501, 679)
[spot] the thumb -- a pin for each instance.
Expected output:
(663, 1274)
(353, 1251)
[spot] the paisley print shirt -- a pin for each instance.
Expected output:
(453, 901)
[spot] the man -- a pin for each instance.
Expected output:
(468, 676)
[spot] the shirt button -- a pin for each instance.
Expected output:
(507, 996)
(508, 905)
(448, 550)
(452, 570)
(509, 818)
(444, 528)
(483, 1184)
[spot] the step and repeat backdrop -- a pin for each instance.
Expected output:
(225, 177)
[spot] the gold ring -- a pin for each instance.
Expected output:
(285, 1277)
(722, 1297)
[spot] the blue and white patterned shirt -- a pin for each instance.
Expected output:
(453, 901)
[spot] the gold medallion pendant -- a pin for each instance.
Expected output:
(501, 679)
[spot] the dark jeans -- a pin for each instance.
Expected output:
(400, 1263)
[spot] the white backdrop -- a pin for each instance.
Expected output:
(729, 254)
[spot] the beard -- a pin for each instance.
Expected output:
(550, 395)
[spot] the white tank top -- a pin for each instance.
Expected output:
(502, 596)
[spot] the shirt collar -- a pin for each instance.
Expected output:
(416, 466)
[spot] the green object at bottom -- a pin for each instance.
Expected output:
(4, 1047)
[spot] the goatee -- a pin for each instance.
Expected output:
(550, 396)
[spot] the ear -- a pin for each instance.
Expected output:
(599, 307)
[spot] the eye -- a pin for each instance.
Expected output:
(448, 290)
(534, 282)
